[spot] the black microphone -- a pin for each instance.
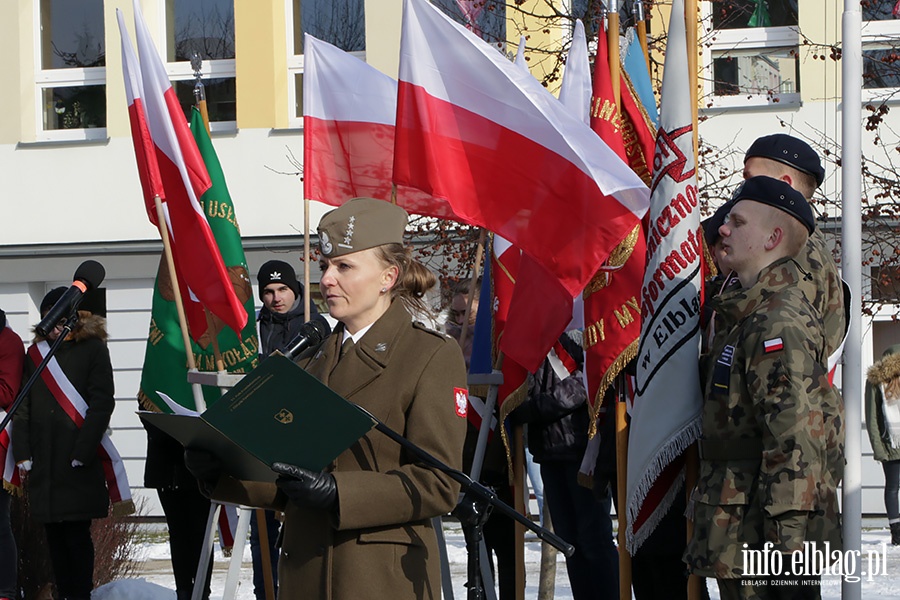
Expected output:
(87, 277)
(311, 334)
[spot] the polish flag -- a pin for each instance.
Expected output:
(479, 132)
(170, 166)
(349, 109)
(541, 308)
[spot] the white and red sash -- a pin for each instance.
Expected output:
(11, 481)
(74, 405)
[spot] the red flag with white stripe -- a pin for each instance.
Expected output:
(479, 132)
(170, 166)
(349, 110)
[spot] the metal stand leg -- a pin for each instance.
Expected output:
(446, 579)
(206, 553)
(473, 512)
(237, 554)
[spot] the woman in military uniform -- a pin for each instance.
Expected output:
(362, 528)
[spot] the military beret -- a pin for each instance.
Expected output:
(361, 223)
(790, 151)
(277, 271)
(777, 193)
(711, 224)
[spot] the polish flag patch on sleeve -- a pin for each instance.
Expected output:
(773, 345)
(461, 395)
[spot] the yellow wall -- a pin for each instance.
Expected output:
(261, 63)
(383, 18)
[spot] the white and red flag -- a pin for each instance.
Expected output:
(479, 132)
(349, 110)
(170, 166)
(666, 412)
(541, 308)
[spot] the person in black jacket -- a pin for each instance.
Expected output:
(282, 312)
(557, 415)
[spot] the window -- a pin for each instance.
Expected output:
(741, 14)
(485, 18)
(71, 74)
(204, 29)
(886, 283)
(338, 22)
(881, 56)
(752, 56)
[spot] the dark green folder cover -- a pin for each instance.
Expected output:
(276, 413)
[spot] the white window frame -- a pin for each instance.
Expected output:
(751, 38)
(211, 69)
(877, 35)
(52, 78)
(295, 65)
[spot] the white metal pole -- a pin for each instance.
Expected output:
(851, 237)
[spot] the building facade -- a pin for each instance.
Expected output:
(71, 185)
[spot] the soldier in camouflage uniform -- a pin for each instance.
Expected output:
(793, 161)
(769, 426)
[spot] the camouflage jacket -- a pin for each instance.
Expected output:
(772, 434)
(824, 290)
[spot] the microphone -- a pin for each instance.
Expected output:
(87, 277)
(311, 334)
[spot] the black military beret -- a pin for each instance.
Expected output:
(790, 151)
(711, 224)
(777, 193)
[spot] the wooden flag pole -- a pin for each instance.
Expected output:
(690, 24)
(199, 402)
(625, 573)
(307, 301)
(612, 42)
(641, 20)
(692, 459)
(200, 103)
(612, 36)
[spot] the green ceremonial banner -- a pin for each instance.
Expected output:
(165, 363)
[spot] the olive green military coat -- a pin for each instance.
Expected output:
(379, 543)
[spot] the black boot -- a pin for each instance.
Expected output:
(895, 534)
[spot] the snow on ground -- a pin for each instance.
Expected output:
(154, 580)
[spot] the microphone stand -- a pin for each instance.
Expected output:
(67, 329)
(473, 510)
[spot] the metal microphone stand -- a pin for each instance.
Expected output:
(473, 510)
(67, 329)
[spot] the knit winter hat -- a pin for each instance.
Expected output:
(277, 271)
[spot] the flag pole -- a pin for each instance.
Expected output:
(690, 24)
(692, 457)
(615, 77)
(200, 103)
(199, 402)
(612, 42)
(640, 24)
(306, 274)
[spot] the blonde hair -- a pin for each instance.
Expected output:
(802, 182)
(413, 278)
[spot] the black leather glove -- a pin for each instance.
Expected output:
(203, 465)
(306, 488)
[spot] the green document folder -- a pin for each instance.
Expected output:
(276, 413)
